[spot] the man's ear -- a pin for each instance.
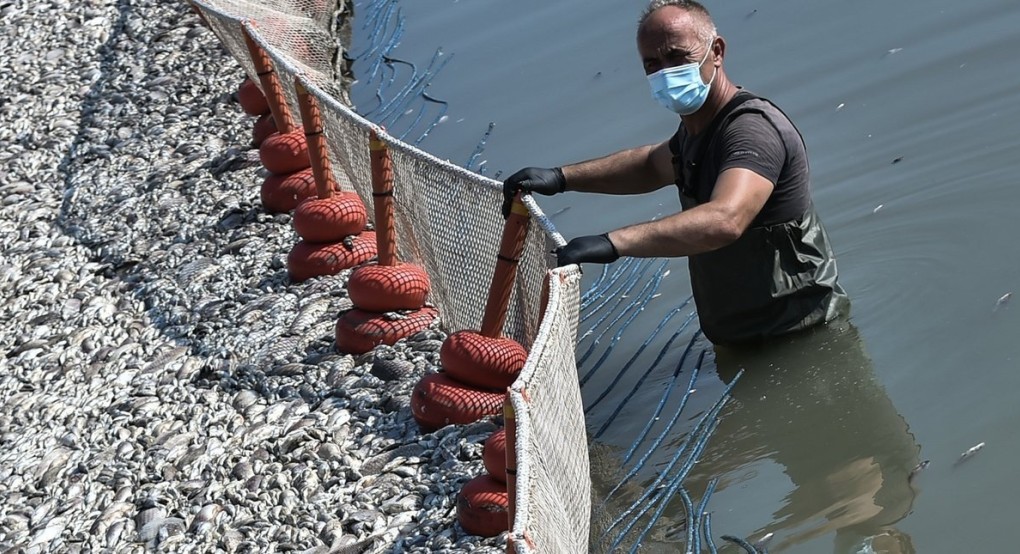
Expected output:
(718, 51)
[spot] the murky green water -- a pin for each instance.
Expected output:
(910, 111)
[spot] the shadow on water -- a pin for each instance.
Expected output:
(812, 404)
(809, 404)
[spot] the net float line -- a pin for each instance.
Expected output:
(251, 99)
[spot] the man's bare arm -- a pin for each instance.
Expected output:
(634, 171)
(738, 197)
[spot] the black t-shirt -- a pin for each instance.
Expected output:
(780, 275)
(758, 137)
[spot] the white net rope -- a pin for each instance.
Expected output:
(554, 489)
(447, 220)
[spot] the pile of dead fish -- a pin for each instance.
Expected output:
(162, 384)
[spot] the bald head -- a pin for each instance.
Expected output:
(676, 32)
(697, 13)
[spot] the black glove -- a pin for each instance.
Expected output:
(532, 179)
(596, 249)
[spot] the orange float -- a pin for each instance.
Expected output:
(283, 193)
(438, 400)
(486, 362)
(284, 152)
(482, 507)
(358, 331)
(330, 219)
(388, 288)
(307, 260)
(251, 99)
(494, 455)
(265, 125)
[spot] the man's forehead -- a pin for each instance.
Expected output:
(669, 27)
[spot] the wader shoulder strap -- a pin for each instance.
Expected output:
(709, 137)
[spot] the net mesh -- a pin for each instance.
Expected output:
(447, 220)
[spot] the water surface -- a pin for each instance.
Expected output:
(910, 113)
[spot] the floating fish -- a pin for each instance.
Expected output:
(918, 469)
(1002, 301)
(970, 452)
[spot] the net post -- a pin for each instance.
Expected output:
(382, 199)
(318, 152)
(510, 249)
(510, 427)
(270, 84)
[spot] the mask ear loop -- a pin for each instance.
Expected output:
(715, 69)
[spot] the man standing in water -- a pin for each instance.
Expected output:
(759, 258)
(761, 267)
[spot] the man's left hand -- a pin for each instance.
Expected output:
(596, 249)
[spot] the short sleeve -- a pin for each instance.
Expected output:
(752, 142)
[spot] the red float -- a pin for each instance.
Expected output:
(484, 362)
(482, 507)
(387, 288)
(285, 152)
(307, 260)
(330, 219)
(283, 193)
(265, 125)
(358, 331)
(494, 455)
(438, 400)
(252, 101)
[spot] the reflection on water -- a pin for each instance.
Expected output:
(811, 404)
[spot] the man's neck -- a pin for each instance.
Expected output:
(719, 95)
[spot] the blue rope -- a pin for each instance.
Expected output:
(676, 482)
(748, 547)
(383, 85)
(708, 535)
(699, 513)
(442, 113)
(693, 439)
(383, 111)
(641, 381)
(619, 297)
(413, 90)
(481, 146)
(594, 295)
(654, 284)
(637, 353)
(602, 276)
(635, 274)
(669, 425)
(595, 342)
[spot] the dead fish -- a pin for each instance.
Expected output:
(970, 452)
(918, 469)
(762, 543)
(1002, 301)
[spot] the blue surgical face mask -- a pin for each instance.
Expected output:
(681, 88)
